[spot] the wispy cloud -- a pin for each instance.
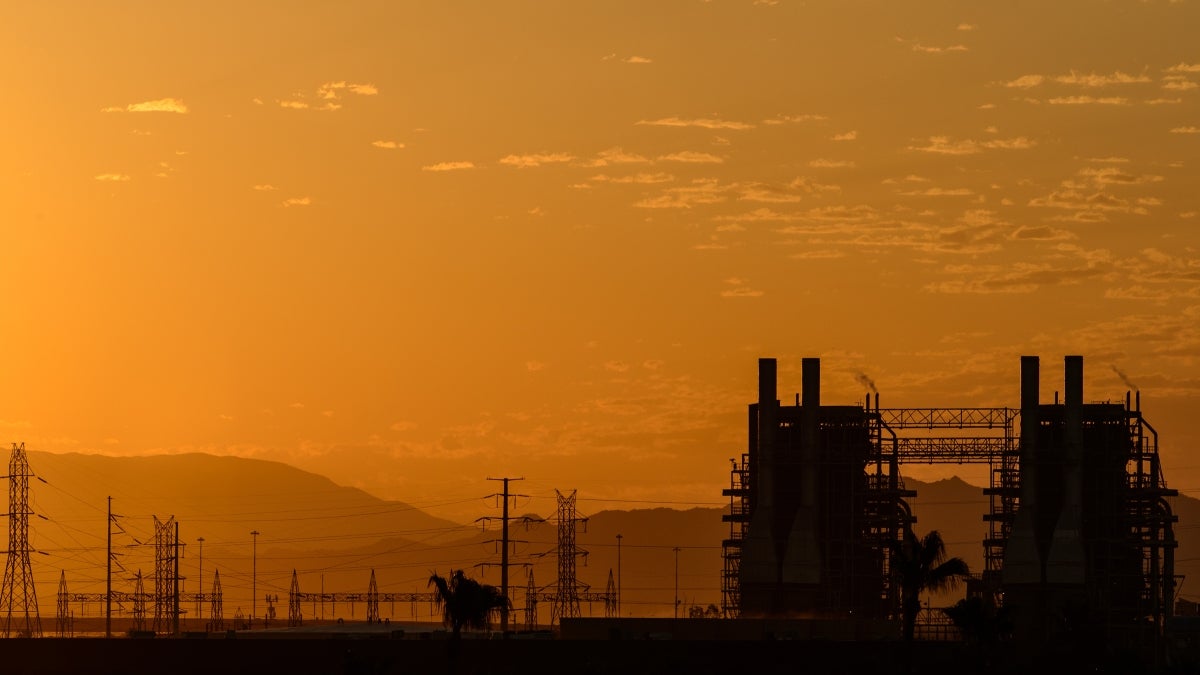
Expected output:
(793, 119)
(699, 191)
(296, 201)
(822, 163)
(702, 122)
(1186, 130)
(848, 136)
(1020, 277)
(692, 157)
(1180, 84)
(928, 49)
(387, 145)
(1040, 233)
(1026, 81)
(966, 26)
(616, 155)
(639, 178)
(1111, 175)
(1089, 100)
(1185, 68)
(329, 96)
(939, 192)
(637, 59)
(768, 194)
(1087, 207)
(944, 145)
(449, 166)
(331, 91)
(265, 187)
(171, 105)
(536, 159)
(112, 177)
(740, 289)
(1095, 80)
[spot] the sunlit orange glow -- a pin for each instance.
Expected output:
(412, 245)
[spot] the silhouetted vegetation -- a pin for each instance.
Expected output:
(980, 621)
(920, 564)
(466, 603)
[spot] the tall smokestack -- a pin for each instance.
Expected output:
(1023, 555)
(802, 559)
(1066, 562)
(768, 415)
(759, 573)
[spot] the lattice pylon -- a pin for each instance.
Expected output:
(372, 600)
(18, 595)
(62, 624)
(164, 575)
(610, 597)
(217, 606)
(530, 603)
(294, 618)
(568, 588)
(139, 603)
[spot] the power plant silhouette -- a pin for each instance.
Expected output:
(1081, 533)
(1080, 543)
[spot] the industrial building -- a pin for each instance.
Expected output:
(1080, 530)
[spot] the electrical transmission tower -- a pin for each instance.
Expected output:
(139, 604)
(216, 613)
(531, 600)
(165, 556)
(63, 624)
(569, 588)
(372, 600)
(18, 594)
(294, 616)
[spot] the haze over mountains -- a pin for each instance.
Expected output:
(333, 536)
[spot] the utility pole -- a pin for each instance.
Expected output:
(505, 543)
(619, 537)
(108, 576)
(676, 549)
(254, 579)
(200, 583)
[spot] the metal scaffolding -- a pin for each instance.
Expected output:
(731, 548)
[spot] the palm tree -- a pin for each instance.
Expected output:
(466, 602)
(921, 565)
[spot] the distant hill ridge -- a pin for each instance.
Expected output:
(333, 536)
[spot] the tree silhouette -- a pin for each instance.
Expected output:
(466, 602)
(920, 564)
(980, 621)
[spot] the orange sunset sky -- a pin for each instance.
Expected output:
(409, 245)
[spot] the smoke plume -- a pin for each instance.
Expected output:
(1125, 378)
(867, 382)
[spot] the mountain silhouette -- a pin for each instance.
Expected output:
(334, 536)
